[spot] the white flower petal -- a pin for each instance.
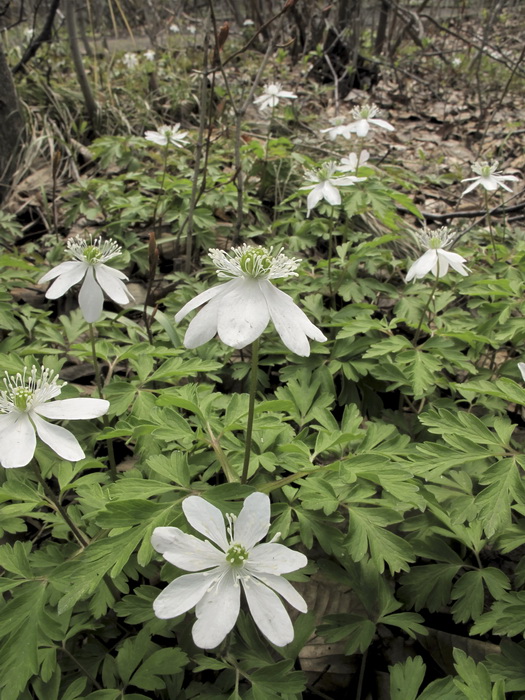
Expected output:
(268, 612)
(66, 279)
(361, 128)
(17, 440)
(112, 284)
(73, 409)
(243, 314)
(253, 522)
(185, 551)
(59, 439)
(204, 326)
(489, 183)
(206, 519)
(314, 198)
(285, 588)
(91, 298)
(217, 612)
(422, 265)
(441, 265)
(456, 262)
(472, 186)
(59, 270)
(521, 367)
(382, 123)
(273, 558)
(181, 595)
(290, 322)
(331, 193)
(202, 298)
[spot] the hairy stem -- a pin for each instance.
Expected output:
(251, 410)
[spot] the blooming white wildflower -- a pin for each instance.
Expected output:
(338, 129)
(29, 33)
(237, 559)
(488, 178)
(90, 256)
(365, 118)
(130, 60)
(24, 403)
(248, 23)
(174, 28)
(149, 55)
(272, 93)
(325, 185)
(240, 309)
(521, 367)
(352, 163)
(192, 29)
(436, 259)
(167, 134)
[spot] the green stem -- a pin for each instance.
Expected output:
(489, 222)
(251, 410)
(229, 473)
(330, 253)
(361, 675)
(105, 420)
(430, 297)
(161, 190)
(80, 538)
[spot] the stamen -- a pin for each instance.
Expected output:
(253, 262)
(92, 251)
(23, 391)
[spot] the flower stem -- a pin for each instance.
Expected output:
(330, 253)
(100, 386)
(489, 222)
(251, 410)
(424, 313)
(80, 538)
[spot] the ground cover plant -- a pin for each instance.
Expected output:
(261, 334)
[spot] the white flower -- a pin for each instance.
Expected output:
(90, 256)
(240, 309)
(167, 134)
(325, 185)
(437, 260)
(149, 55)
(351, 164)
(237, 559)
(521, 367)
(365, 118)
(272, 93)
(174, 28)
(130, 60)
(24, 403)
(488, 178)
(338, 129)
(29, 32)
(248, 23)
(192, 29)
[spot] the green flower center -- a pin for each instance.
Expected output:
(236, 555)
(21, 397)
(92, 254)
(486, 170)
(255, 262)
(435, 242)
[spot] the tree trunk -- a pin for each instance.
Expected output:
(11, 127)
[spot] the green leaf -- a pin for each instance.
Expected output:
(475, 681)
(368, 533)
(494, 502)
(406, 678)
(408, 622)
(161, 662)
(357, 629)
(429, 586)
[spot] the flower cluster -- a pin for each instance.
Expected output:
(240, 309)
(436, 259)
(89, 266)
(25, 402)
(227, 560)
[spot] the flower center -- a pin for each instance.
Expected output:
(21, 396)
(236, 555)
(435, 242)
(255, 262)
(92, 254)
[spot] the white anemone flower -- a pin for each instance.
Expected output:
(338, 129)
(174, 28)
(325, 185)
(272, 93)
(488, 178)
(353, 162)
(149, 55)
(167, 134)
(25, 402)
(130, 60)
(236, 561)
(90, 256)
(365, 118)
(436, 259)
(240, 309)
